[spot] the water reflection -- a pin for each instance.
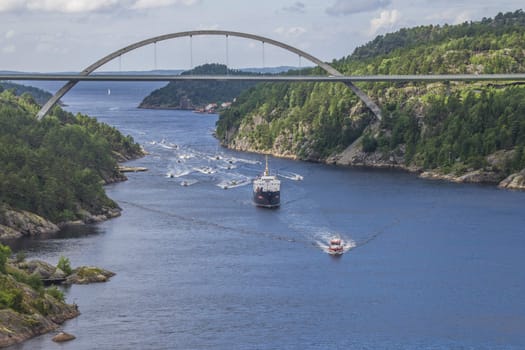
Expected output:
(43, 243)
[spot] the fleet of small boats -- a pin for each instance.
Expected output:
(266, 191)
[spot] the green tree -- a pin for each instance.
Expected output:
(5, 253)
(64, 265)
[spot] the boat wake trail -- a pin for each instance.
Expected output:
(290, 176)
(323, 238)
(236, 180)
(323, 242)
(376, 234)
(205, 223)
(319, 240)
(177, 172)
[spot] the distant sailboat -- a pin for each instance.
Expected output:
(109, 91)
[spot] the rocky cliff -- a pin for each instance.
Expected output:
(514, 181)
(15, 224)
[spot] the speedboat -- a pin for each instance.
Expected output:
(336, 247)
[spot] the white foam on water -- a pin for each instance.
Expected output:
(205, 170)
(177, 173)
(323, 241)
(226, 166)
(242, 160)
(290, 176)
(185, 183)
(234, 182)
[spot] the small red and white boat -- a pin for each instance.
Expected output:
(336, 247)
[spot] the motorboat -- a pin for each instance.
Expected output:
(336, 247)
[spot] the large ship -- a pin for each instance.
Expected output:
(267, 190)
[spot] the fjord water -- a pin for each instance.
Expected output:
(435, 265)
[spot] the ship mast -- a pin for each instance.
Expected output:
(266, 171)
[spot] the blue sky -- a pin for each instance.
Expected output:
(68, 35)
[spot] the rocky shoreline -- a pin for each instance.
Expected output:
(354, 156)
(16, 328)
(48, 313)
(490, 175)
(48, 272)
(19, 223)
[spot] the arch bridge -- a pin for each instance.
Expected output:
(90, 69)
(333, 74)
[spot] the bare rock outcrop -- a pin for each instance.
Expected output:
(41, 269)
(18, 223)
(36, 313)
(63, 337)
(514, 181)
(89, 274)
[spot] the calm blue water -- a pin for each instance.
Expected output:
(435, 265)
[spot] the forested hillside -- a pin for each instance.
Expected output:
(40, 96)
(448, 127)
(197, 94)
(56, 167)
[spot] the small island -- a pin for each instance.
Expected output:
(199, 96)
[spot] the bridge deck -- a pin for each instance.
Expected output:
(273, 78)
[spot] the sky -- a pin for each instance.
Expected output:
(69, 35)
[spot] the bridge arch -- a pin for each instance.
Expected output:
(88, 70)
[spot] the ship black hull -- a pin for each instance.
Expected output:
(267, 199)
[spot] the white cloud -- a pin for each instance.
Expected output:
(147, 4)
(348, 7)
(462, 17)
(450, 16)
(290, 32)
(70, 6)
(10, 5)
(51, 48)
(9, 49)
(9, 34)
(86, 6)
(386, 19)
(297, 7)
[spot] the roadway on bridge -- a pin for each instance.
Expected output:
(287, 78)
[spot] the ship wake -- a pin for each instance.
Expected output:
(322, 241)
